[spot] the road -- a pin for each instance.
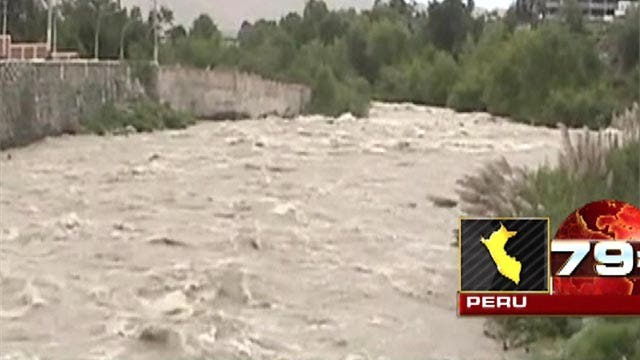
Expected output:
(308, 238)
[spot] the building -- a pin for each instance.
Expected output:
(10, 50)
(22, 51)
(624, 6)
(595, 10)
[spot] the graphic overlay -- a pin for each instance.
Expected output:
(502, 255)
(601, 243)
(594, 262)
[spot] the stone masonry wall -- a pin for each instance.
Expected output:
(39, 99)
(47, 98)
(219, 94)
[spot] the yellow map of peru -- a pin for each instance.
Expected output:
(507, 265)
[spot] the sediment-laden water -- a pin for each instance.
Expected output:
(310, 238)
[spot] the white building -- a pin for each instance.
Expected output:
(597, 10)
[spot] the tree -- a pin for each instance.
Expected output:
(331, 27)
(471, 5)
(324, 92)
(622, 39)
(93, 27)
(27, 20)
(388, 42)
(448, 24)
(356, 40)
(571, 14)
(559, 77)
(203, 27)
(177, 32)
(529, 11)
(314, 13)
(292, 24)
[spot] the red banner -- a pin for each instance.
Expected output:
(487, 304)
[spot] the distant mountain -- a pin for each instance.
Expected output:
(229, 14)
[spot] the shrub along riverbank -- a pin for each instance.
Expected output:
(542, 73)
(139, 115)
(592, 167)
(537, 71)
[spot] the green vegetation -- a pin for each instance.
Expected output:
(537, 71)
(574, 338)
(139, 115)
(533, 70)
(559, 191)
(592, 167)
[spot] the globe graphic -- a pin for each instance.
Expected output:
(605, 220)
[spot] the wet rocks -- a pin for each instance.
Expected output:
(346, 117)
(232, 286)
(173, 305)
(70, 222)
(443, 202)
(234, 140)
(158, 334)
(167, 241)
(249, 237)
(9, 234)
(281, 168)
(374, 149)
(19, 355)
(284, 209)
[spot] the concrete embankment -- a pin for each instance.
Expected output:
(50, 98)
(39, 99)
(218, 94)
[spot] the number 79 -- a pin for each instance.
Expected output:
(618, 264)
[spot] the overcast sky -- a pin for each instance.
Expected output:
(229, 14)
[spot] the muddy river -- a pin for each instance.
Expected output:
(305, 238)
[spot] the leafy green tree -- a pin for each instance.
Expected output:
(529, 11)
(397, 83)
(441, 75)
(253, 35)
(356, 39)
(203, 28)
(623, 40)
(177, 32)
(92, 27)
(467, 93)
(394, 51)
(448, 23)
(27, 20)
(549, 58)
(292, 24)
(325, 92)
(331, 27)
(388, 42)
(314, 14)
(571, 14)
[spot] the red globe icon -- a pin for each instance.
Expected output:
(605, 220)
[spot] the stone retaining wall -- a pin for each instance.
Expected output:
(49, 98)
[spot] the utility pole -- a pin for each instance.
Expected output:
(123, 32)
(5, 42)
(55, 28)
(49, 22)
(4, 17)
(155, 32)
(96, 35)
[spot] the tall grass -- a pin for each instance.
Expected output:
(591, 166)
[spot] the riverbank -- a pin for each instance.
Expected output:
(301, 238)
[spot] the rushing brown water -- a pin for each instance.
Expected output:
(310, 238)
